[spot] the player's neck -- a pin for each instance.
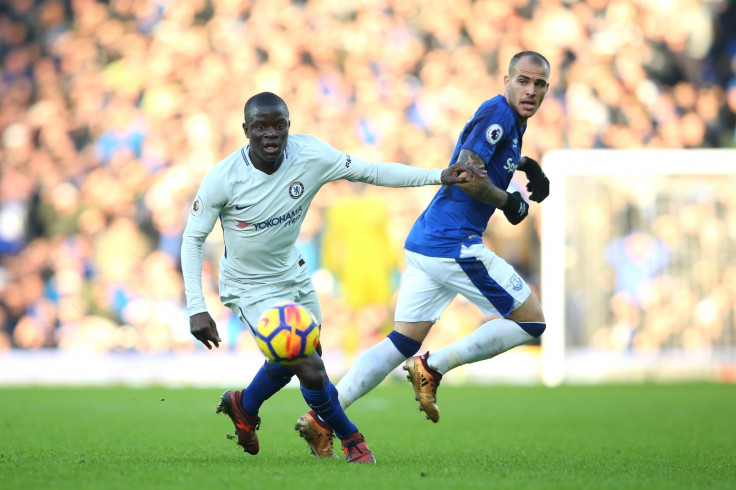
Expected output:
(267, 167)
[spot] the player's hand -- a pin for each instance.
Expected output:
(515, 208)
(538, 184)
(460, 173)
(204, 329)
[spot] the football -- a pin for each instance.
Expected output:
(287, 333)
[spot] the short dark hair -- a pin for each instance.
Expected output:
(264, 99)
(537, 58)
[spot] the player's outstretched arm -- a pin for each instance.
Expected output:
(460, 173)
(204, 329)
(538, 184)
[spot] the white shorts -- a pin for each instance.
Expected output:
(248, 303)
(429, 284)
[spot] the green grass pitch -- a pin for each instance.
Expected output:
(610, 437)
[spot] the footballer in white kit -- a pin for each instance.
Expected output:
(261, 193)
(261, 215)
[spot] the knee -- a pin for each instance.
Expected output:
(313, 380)
(311, 373)
(277, 371)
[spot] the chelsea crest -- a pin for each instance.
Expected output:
(296, 189)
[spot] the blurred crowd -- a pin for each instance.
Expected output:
(667, 276)
(111, 112)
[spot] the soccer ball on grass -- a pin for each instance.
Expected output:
(287, 333)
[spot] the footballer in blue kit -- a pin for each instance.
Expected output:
(494, 134)
(446, 256)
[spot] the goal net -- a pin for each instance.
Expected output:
(639, 266)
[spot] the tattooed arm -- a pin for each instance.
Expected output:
(481, 189)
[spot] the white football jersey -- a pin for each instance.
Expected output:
(261, 214)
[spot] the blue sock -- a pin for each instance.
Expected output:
(327, 406)
(267, 381)
(535, 329)
(407, 346)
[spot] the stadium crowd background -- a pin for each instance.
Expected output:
(111, 112)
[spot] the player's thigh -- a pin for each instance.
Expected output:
(249, 306)
(423, 295)
(529, 311)
(488, 281)
(306, 295)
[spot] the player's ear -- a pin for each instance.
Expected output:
(245, 130)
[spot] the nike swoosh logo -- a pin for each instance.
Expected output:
(239, 208)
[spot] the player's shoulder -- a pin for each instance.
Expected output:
(497, 110)
(309, 147)
(497, 117)
(305, 142)
(304, 139)
(225, 170)
(236, 158)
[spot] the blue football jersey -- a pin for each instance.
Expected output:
(453, 218)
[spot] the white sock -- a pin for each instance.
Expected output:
(488, 340)
(368, 370)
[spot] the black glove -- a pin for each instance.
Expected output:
(538, 182)
(515, 208)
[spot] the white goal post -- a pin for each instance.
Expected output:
(639, 265)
